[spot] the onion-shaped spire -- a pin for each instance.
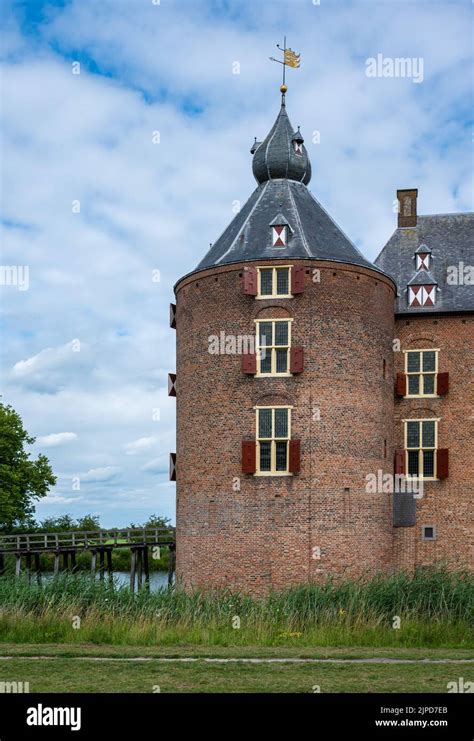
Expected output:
(282, 154)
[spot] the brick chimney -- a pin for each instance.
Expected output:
(407, 207)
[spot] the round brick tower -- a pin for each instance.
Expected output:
(284, 393)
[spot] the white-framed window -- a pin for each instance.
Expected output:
(421, 444)
(421, 369)
(273, 440)
(273, 347)
(274, 282)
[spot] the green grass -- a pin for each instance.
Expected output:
(435, 609)
(70, 675)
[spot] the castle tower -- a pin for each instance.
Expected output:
(274, 441)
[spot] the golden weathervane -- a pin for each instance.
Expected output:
(290, 59)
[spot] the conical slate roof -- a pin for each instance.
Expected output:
(312, 232)
(282, 197)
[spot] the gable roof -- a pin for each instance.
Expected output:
(450, 239)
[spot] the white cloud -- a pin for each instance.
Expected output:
(142, 445)
(55, 439)
(107, 473)
(58, 499)
(157, 465)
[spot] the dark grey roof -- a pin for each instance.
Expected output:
(423, 249)
(313, 235)
(276, 156)
(279, 220)
(297, 137)
(423, 278)
(450, 239)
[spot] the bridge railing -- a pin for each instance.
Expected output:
(86, 540)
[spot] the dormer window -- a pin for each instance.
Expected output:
(298, 143)
(423, 257)
(422, 295)
(280, 231)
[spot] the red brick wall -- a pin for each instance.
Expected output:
(263, 535)
(446, 504)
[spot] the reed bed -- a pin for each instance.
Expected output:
(435, 608)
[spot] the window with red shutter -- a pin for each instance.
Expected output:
(401, 384)
(400, 462)
(296, 359)
(294, 463)
(442, 384)
(249, 363)
(249, 456)
(442, 463)
(250, 281)
(297, 279)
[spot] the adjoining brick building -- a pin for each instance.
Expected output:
(276, 446)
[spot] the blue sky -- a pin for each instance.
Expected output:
(87, 348)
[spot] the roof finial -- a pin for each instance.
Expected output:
(290, 59)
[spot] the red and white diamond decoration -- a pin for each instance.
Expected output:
(279, 236)
(421, 295)
(298, 148)
(423, 261)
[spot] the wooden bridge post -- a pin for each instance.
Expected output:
(93, 562)
(133, 563)
(38, 568)
(110, 569)
(171, 565)
(18, 565)
(139, 567)
(101, 564)
(146, 568)
(73, 561)
(56, 564)
(28, 567)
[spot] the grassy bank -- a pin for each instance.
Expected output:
(435, 609)
(83, 675)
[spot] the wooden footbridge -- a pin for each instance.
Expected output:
(100, 543)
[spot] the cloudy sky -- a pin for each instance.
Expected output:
(124, 173)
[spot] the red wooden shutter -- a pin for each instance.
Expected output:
(442, 385)
(442, 463)
(173, 316)
(400, 461)
(296, 359)
(249, 456)
(250, 281)
(297, 279)
(295, 457)
(249, 363)
(172, 466)
(171, 384)
(401, 385)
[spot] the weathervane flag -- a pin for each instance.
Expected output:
(291, 58)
